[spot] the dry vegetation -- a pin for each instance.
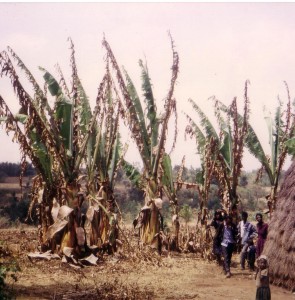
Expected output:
(126, 275)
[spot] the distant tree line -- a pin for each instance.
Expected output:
(8, 169)
(130, 198)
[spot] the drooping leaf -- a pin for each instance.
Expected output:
(204, 121)
(132, 173)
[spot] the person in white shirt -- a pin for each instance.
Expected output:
(246, 231)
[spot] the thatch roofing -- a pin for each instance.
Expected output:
(280, 244)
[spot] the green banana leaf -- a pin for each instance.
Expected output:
(132, 173)
(154, 122)
(63, 111)
(41, 153)
(137, 108)
(148, 95)
(167, 178)
(226, 147)
(253, 144)
(204, 121)
(115, 159)
(199, 135)
(290, 143)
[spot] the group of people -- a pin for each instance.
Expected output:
(234, 234)
(231, 234)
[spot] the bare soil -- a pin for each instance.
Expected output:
(174, 276)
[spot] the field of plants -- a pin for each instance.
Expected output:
(78, 153)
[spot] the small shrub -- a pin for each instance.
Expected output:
(7, 269)
(186, 213)
(4, 221)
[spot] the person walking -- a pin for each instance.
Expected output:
(262, 231)
(228, 233)
(246, 232)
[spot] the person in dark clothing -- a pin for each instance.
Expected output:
(217, 223)
(228, 234)
(234, 213)
(262, 230)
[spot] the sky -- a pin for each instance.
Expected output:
(220, 46)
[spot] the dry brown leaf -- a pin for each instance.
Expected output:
(55, 227)
(46, 255)
(64, 211)
(91, 259)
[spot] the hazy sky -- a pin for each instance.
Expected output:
(220, 45)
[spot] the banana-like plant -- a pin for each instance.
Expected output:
(170, 188)
(149, 134)
(281, 131)
(102, 164)
(221, 154)
(60, 141)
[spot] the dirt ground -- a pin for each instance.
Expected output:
(175, 276)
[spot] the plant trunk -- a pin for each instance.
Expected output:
(271, 201)
(150, 219)
(176, 224)
(150, 227)
(103, 231)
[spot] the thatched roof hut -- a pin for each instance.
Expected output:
(280, 244)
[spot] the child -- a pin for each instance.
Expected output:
(262, 279)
